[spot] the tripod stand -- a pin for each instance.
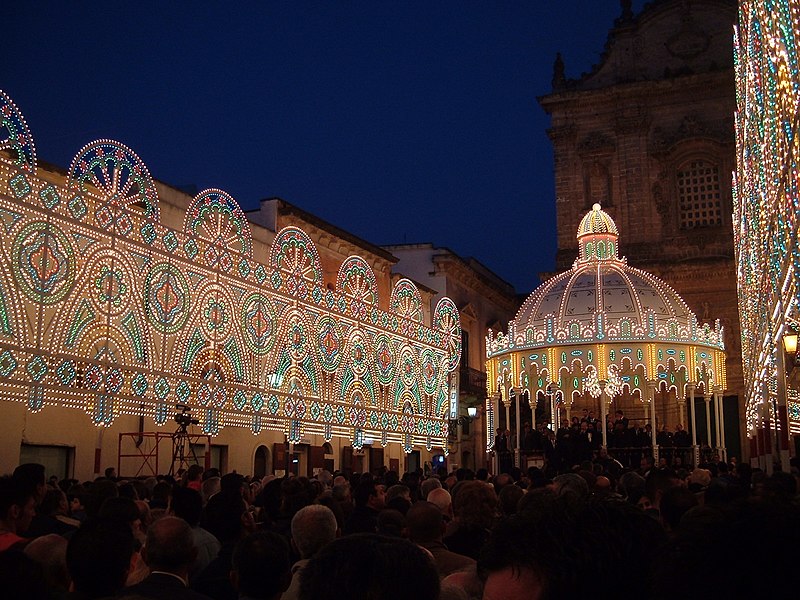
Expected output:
(182, 450)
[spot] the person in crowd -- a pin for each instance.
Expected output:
(209, 487)
(50, 553)
(187, 504)
(193, 478)
(391, 522)
(22, 577)
(169, 553)
(368, 566)
(100, 542)
(369, 500)
(313, 528)
(442, 500)
(425, 527)
(508, 499)
(17, 509)
(260, 568)
(53, 516)
(31, 477)
(427, 486)
(228, 517)
(475, 509)
(674, 503)
(398, 497)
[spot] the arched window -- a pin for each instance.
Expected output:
(699, 194)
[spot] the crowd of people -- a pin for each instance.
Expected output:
(591, 529)
(581, 438)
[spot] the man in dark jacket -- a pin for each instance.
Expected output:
(169, 553)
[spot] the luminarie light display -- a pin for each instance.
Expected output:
(605, 329)
(105, 309)
(766, 208)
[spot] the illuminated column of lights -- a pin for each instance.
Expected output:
(766, 200)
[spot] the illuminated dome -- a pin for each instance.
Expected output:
(603, 299)
(604, 331)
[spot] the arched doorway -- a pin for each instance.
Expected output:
(328, 462)
(261, 462)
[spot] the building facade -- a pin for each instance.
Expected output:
(648, 134)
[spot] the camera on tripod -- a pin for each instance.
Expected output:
(183, 418)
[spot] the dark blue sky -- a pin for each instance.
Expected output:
(400, 122)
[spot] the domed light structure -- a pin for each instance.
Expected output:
(605, 330)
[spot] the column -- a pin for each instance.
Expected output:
(651, 394)
(518, 399)
(604, 411)
(691, 387)
(717, 430)
(766, 435)
(723, 451)
(782, 418)
(496, 408)
(707, 397)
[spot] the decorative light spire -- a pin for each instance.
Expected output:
(597, 236)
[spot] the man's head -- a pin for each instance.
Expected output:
(187, 504)
(427, 486)
(313, 528)
(170, 546)
(111, 473)
(106, 543)
(442, 500)
(424, 523)
(31, 477)
(369, 494)
(260, 567)
(17, 505)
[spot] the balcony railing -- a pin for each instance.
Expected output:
(472, 382)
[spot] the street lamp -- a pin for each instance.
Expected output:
(790, 343)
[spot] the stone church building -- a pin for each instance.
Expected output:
(648, 133)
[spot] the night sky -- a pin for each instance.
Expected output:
(400, 122)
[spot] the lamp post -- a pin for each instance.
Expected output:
(458, 424)
(782, 416)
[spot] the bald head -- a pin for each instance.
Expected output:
(440, 497)
(313, 528)
(50, 551)
(170, 546)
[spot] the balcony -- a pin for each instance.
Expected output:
(472, 382)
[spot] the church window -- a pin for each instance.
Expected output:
(699, 194)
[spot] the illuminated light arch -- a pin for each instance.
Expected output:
(406, 301)
(117, 177)
(356, 280)
(15, 136)
(296, 264)
(215, 217)
(447, 320)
